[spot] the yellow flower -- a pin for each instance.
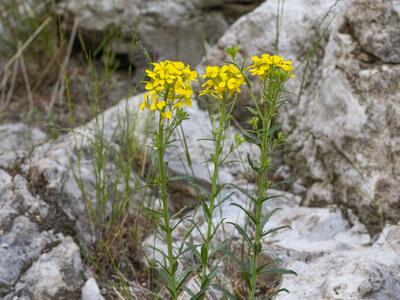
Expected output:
(167, 115)
(212, 72)
(263, 64)
(169, 87)
(222, 81)
(161, 105)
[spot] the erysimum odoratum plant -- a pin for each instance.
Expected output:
(222, 85)
(270, 73)
(169, 92)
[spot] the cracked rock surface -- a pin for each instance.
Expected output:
(35, 262)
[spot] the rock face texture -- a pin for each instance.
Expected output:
(376, 30)
(38, 260)
(345, 134)
(35, 262)
(56, 274)
(365, 273)
(355, 274)
(342, 141)
(19, 140)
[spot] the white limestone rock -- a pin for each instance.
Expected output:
(371, 273)
(18, 139)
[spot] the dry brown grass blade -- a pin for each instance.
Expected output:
(58, 91)
(3, 90)
(7, 95)
(46, 70)
(118, 294)
(27, 43)
(9, 78)
(27, 85)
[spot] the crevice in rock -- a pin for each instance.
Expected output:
(366, 58)
(57, 220)
(28, 264)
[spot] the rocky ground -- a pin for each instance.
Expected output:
(342, 146)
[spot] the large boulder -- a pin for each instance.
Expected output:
(344, 139)
(341, 121)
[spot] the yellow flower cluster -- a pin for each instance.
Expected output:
(169, 87)
(262, 64)
(222, 81)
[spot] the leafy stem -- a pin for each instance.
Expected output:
(219, 132)
(162, 142)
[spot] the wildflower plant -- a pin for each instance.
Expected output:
(271, 73)
(169, 92)
(222, 84)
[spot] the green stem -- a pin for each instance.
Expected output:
(165, 208)
(261, 188)
(262, 185)
(218, 142)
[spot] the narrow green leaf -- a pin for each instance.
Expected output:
(152, 212)
(165, 275)
(185, 274)
(257, 248)
(155, 249)
(275, 229)
(206, 210)
(278, 271)
(243, 191)
(182, 177)
(252, 164)
(175, 266)
(227, 197)
(247, 212)
(194, 251)
(220, 247)
(179, 222)
(251, 139)
(220, 222)
(243, 234)
(280, 291)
